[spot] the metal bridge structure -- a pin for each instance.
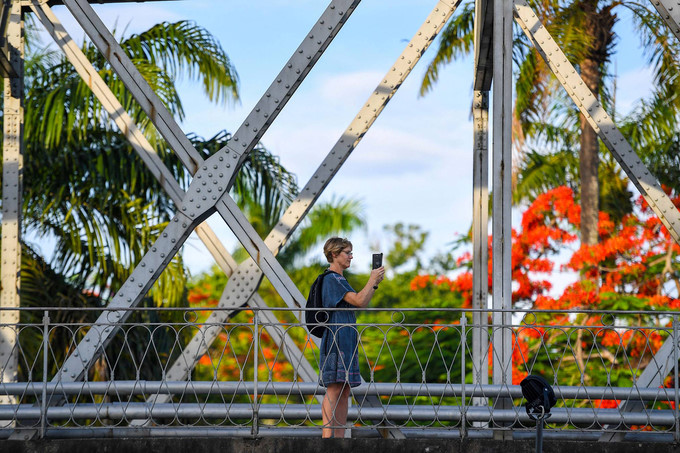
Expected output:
(67, 404)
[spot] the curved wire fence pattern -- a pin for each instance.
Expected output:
(258, 376)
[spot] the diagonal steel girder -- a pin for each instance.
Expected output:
(670, 13)
(244, 283)
(662, 362)
(212, 185)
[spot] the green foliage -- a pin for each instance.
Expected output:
(407, 245)
(456, 40)
(60, 107)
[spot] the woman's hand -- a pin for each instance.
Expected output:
(377, 275)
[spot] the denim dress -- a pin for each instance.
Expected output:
(339, 361)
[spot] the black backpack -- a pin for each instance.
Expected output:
(317, 317)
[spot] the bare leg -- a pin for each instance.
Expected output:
(334, 409)
(341, 411)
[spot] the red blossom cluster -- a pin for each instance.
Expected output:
(627, 270)
(635, 257)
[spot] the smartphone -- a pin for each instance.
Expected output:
(377, 260)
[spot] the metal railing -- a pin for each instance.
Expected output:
(416, 364)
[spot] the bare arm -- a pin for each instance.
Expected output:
(363, 297)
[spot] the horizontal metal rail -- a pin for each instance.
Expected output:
(302, 412)
(129, 388)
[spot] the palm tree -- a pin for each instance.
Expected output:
(86, 189)
(585, 31)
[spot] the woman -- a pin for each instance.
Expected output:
(339, 362)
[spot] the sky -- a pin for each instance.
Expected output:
(413, 166)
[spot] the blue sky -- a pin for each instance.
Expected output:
(414, 165)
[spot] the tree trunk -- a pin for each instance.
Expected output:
(598, 26)
(589, 162)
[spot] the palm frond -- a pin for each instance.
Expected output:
(455, 40)
(185, 48)
(339, 216)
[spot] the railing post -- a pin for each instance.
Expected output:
(256, 346)
(43, 405)
(463, 404)
(675, 377)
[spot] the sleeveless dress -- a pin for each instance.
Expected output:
(339, 361)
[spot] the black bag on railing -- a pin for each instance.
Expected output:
(317, 317)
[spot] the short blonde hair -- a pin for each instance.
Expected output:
(334, 246)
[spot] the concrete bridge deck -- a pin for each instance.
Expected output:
(296, 445)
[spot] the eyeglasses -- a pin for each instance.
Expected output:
(348, 253)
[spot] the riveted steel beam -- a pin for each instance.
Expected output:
(670, 13)
(239, 291)
(207, 192)
(598, 119)
(368, 113)
(502, 199)
(480, 241)
(12, 175)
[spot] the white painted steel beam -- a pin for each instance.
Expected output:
(656, 371)
(598, 119)
(669, 11)
(12, 175)
(238, 292)
(502, 197)
(480, 241)
(207, 192)
(239, 289)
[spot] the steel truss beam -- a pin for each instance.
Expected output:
(480, 237)
(211, 182)
(484, 14)
(243, 285)
(12, 175)
(670, 13)
(483, 45)
(502, 200)
(656, 371)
